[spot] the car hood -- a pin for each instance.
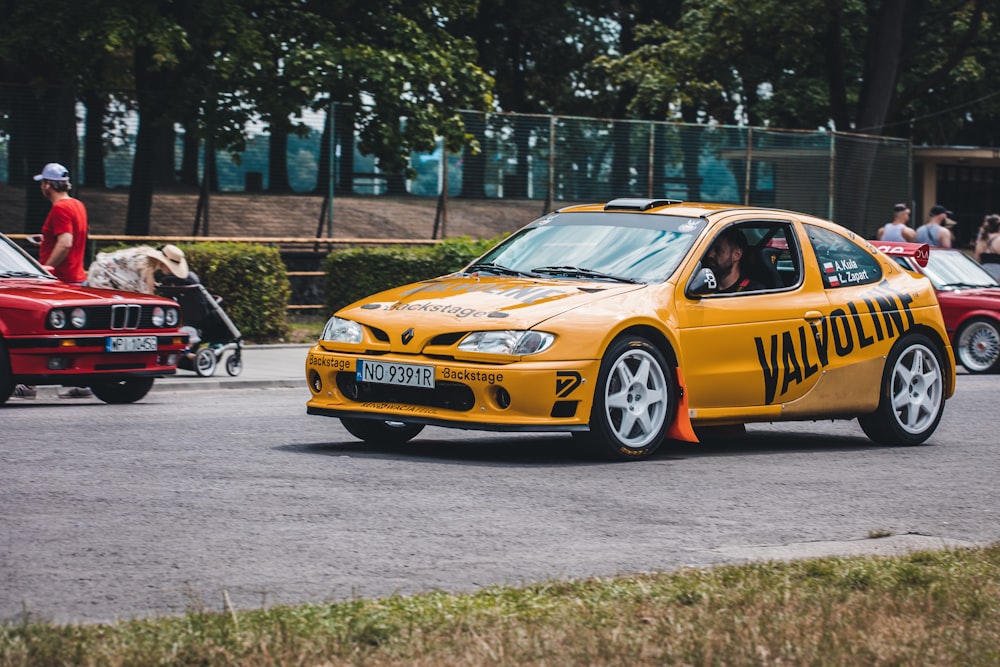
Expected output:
(455, 302)
(987, 297)
(56, 293)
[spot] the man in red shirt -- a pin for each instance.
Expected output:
(61, 245)
(63, 240)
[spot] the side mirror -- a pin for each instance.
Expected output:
(702, 283)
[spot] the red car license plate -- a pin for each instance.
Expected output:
(130, 344)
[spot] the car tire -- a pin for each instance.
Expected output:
(377, 432)
(128, 390)
(911, 396)
(977, 345)
(634, 401)
(6, 380)
(205, 362)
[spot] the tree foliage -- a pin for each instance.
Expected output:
(893, 67)
(213, 65)
(923, 69)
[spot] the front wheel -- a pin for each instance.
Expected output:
(128, 390)
(378, 432)
(912, 395)
(634, 401)
(978, 346)
(234, 365)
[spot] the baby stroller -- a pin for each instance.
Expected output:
(211, 333)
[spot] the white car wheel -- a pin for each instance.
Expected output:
(912, 399)
(634, 400)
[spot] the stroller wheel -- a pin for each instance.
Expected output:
(204, 362)
(234, 365)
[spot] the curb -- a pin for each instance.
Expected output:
(207, 383)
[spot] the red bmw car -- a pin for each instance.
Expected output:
(52, 333)
(969, 298)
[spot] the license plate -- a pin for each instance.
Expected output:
(130, 344)
(408, 375)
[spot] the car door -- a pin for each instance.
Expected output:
(752, 349)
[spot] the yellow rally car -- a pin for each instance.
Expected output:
(616, 322)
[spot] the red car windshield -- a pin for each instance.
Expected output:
(952, 269)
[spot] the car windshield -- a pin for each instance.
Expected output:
(954, 269)
(624, 247)
(15, 264)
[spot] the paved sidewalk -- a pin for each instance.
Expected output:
(263, 366)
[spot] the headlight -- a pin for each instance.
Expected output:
(339, 330)
(172, 317)
(57, 318)
(158, 317)
(78, 318)
(516, 343)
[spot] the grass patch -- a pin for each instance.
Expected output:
(928, 608)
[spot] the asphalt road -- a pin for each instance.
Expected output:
(112, 512)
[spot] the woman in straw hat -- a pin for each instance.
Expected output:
(134, 269)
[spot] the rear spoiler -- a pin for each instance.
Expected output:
(918, 251)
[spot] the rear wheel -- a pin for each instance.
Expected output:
(379, 432)
(128, 390)
(912, 395)
(633, 402)
(978, 346)
(204, 362)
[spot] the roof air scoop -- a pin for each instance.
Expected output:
(638, 204)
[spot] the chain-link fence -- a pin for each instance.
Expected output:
(317, 170)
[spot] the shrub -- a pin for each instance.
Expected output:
(252, 282)
(355, 273)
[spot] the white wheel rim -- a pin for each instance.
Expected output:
(205, 361)
(979, 346)
(917, 389)
(635, 403)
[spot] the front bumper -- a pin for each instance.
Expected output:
(83, 359)
(520, 396)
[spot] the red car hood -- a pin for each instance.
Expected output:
(54, 292)
(983, 297)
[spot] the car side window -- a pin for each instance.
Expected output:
(842, 262)
(771, 258)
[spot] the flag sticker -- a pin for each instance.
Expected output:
(828, 267)
(834, 280)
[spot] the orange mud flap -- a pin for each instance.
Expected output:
(681, 429)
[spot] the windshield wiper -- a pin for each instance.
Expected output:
(499, 269)
(24, 274)
(579, 272)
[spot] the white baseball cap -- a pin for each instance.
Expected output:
(53, 171)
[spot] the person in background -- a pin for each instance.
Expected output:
(61, 245)
(935, 232)
(63, 241)
(134, 269)
(987, 251)
(898, 230)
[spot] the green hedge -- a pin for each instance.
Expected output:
(251, 280)
(358, 272)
